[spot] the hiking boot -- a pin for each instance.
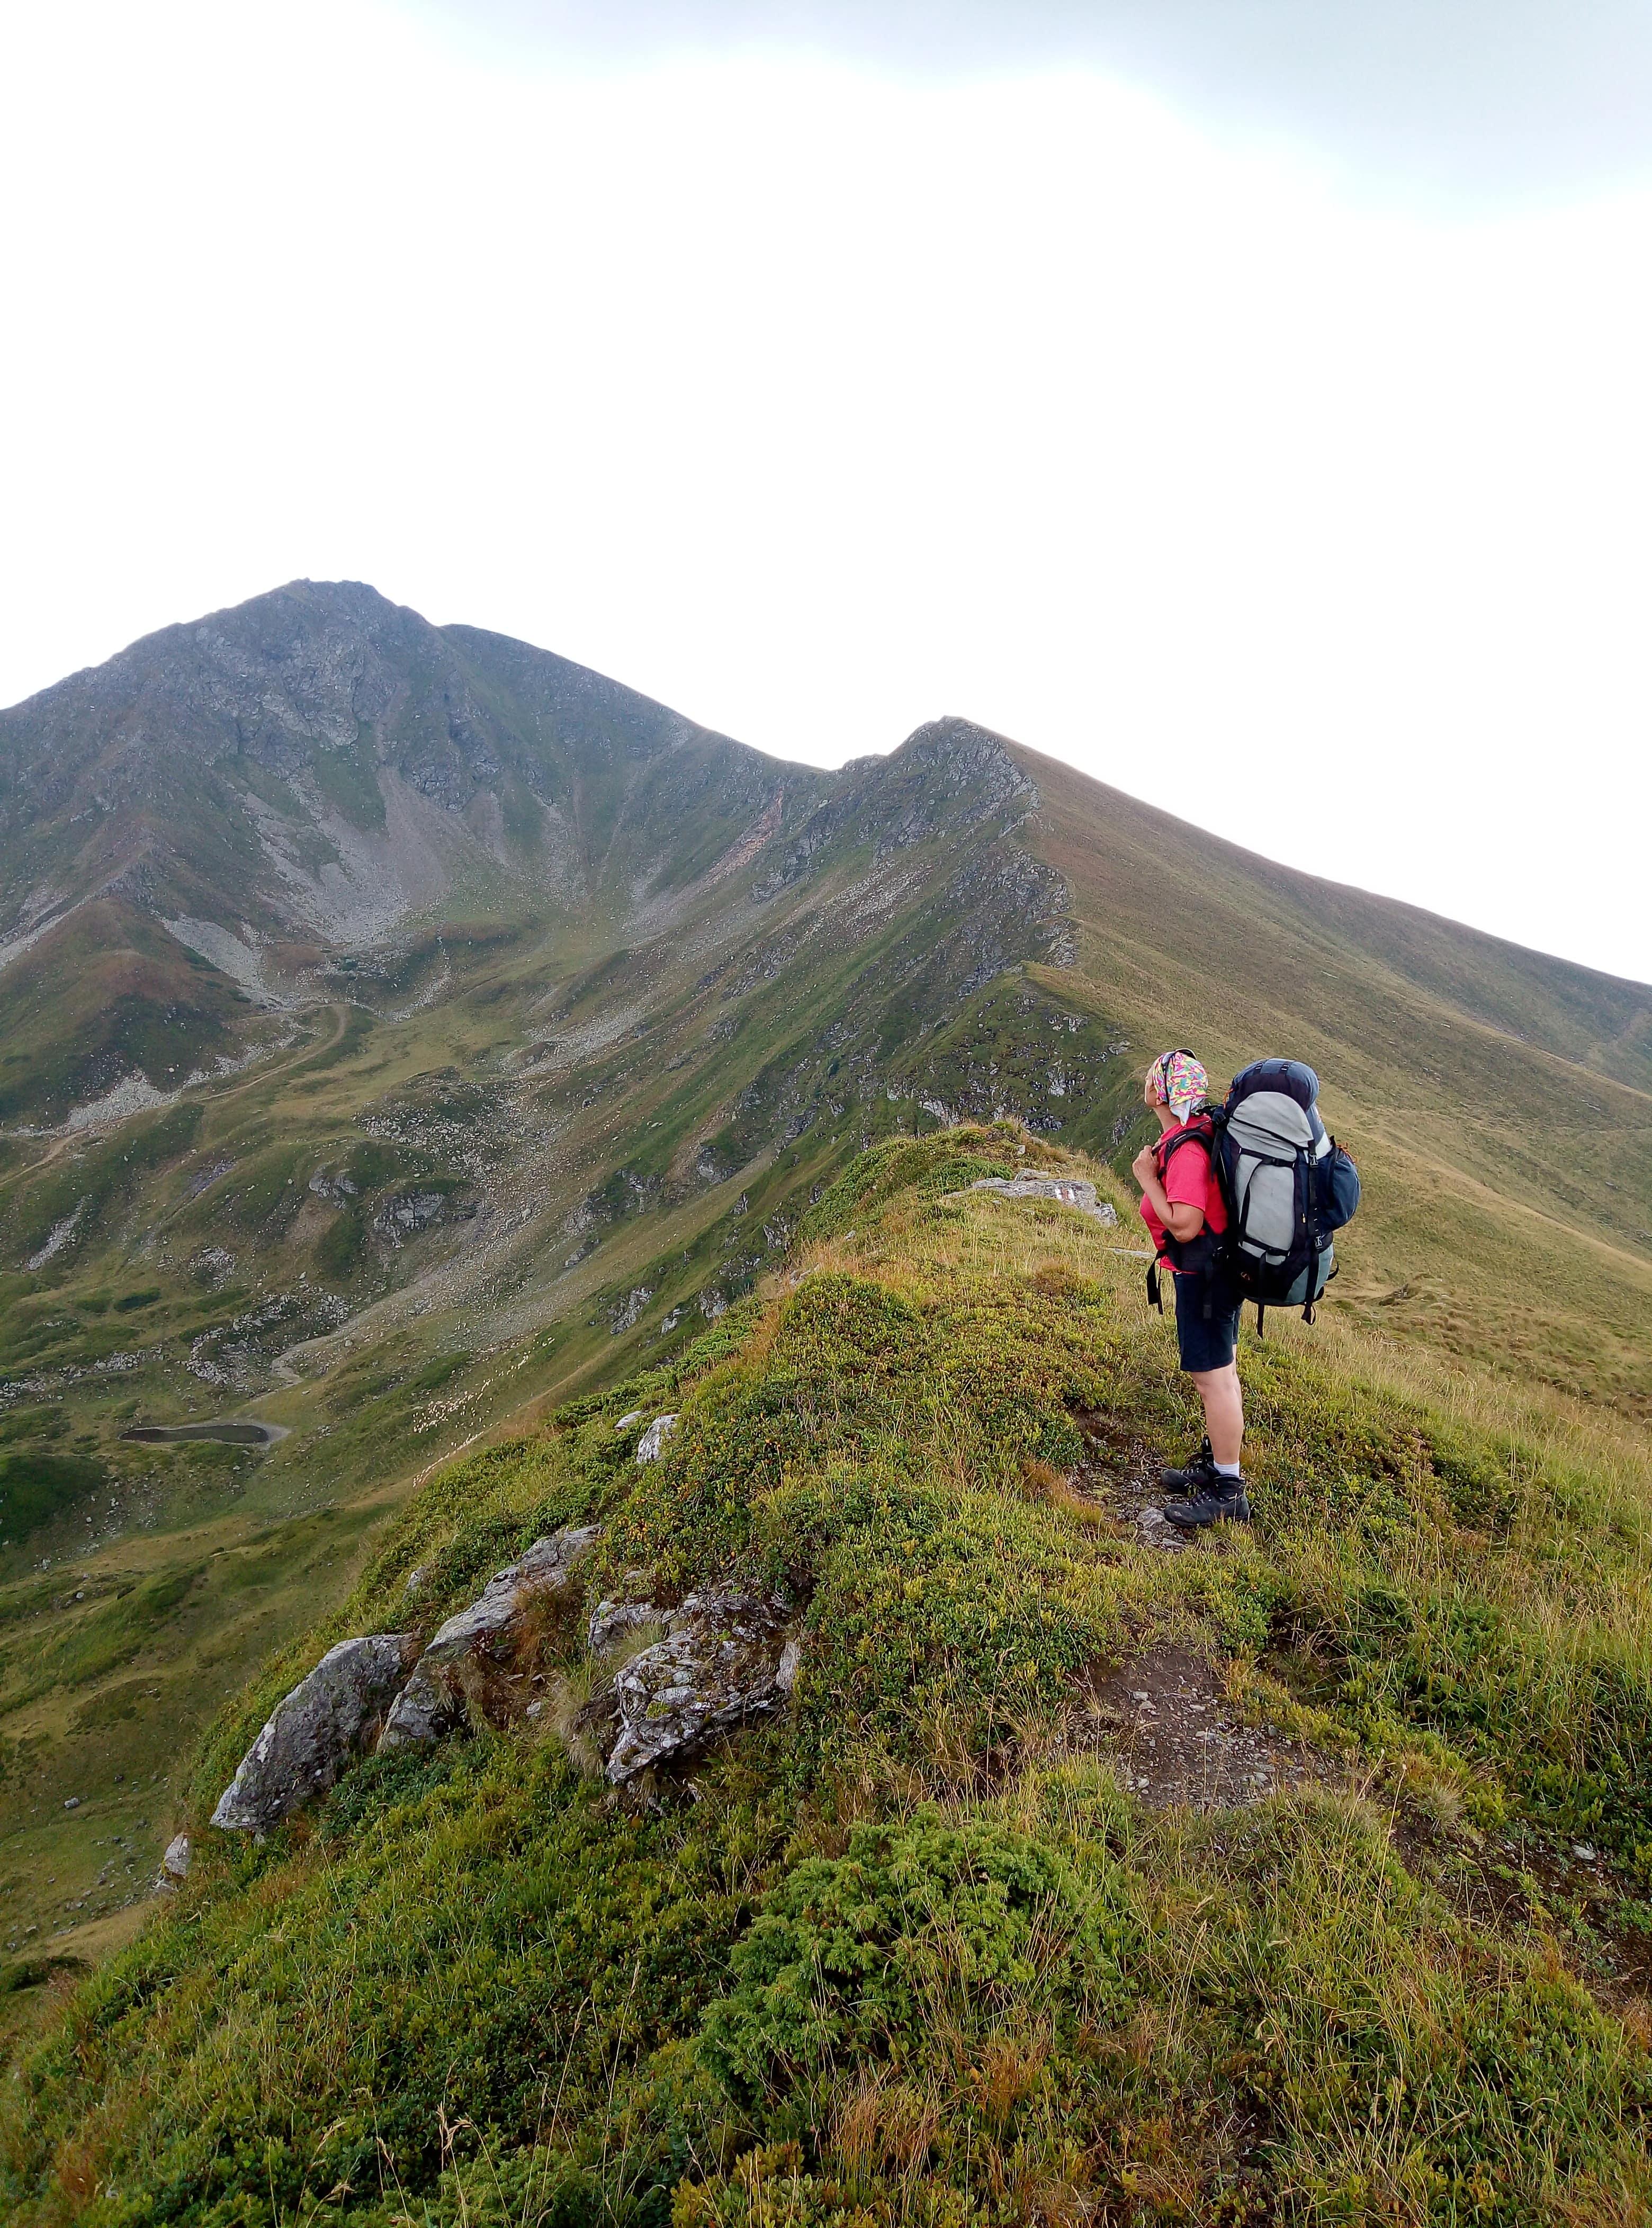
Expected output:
(1195, 1478)
(1222, 1502)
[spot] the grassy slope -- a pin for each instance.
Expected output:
(205, 772)
(662, 1079)
(107, 992)
(1509, 1177)
(914, 1954)
(709, 1033)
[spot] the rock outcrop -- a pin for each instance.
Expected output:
(1066, 1191)
(725, 1657)
(653, 1440)
(615, 1621)
(476, 1657)
(328, 1719)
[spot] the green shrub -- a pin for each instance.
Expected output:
(925, 1935)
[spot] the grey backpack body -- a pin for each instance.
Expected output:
(1286, 1183)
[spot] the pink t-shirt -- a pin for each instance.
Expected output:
(1188, 1181)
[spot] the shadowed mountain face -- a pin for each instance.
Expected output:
(399, 1025)
(360, 974)
(301, 777)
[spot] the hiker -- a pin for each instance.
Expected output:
(1182, 1207)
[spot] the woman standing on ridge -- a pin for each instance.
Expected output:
(1182, 1207)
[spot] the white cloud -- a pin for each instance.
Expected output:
(1467, 101)
(816, 403)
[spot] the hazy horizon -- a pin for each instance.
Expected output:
(1177, 390)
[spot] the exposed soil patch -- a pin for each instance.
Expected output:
(1122, 1472)
(1179, 1740)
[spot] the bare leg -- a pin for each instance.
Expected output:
(1224, 1411)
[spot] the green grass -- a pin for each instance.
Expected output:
(913, 1954)
(1475, 1628)
(108, 992)
(37, 1486)
(347, 780)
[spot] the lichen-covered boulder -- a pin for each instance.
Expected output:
(652, 1441)
(615, 1621)
(725, 1657)
(328, 1719)
(476, 1657)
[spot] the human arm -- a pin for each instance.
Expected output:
(1180, 1217)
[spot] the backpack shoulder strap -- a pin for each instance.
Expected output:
(1199, 1130)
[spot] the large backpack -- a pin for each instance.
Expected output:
(1286, 1183)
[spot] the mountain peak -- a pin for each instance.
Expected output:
(965, 747)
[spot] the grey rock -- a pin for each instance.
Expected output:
(405, 1217)
(175, 1865)
(425, 1711)
(650, 1445)
(470, 1657)
(1066, 1191)
(327, 1718)
(635, 1416)
(614, 1620)
(1158, 1531)
(720, 1662)
(546, 1566)
(628, 1312)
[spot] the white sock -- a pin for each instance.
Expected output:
(1228, 1470)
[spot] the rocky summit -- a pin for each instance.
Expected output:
(580, 1563)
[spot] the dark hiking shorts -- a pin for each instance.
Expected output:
(1207, 1340)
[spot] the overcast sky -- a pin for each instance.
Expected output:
(1198, 390)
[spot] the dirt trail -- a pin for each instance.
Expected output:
(1179, 1741)
(1165, 1713)
(1122, 1472)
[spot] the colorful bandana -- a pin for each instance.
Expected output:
(1178, 1081)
